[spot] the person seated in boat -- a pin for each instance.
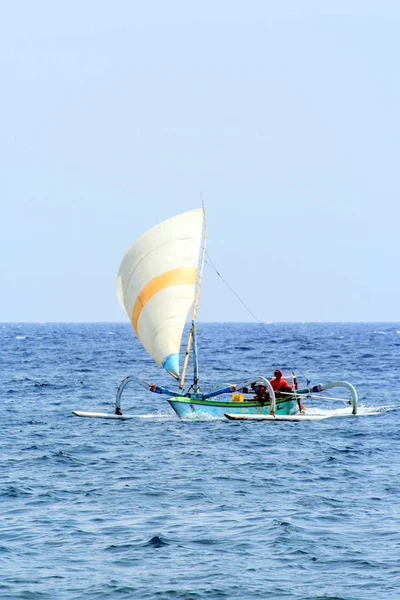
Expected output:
(280, 386)
(262, 394)
(279, 383)
(261, 391)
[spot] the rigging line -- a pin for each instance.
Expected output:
(345, 400)
(210, 263)
(319, 396)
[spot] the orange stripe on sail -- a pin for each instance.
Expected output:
(182, 276)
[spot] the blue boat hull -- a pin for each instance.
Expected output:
(187, 407)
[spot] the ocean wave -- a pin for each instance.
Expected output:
(158, 507)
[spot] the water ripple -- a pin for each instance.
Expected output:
(199, 509)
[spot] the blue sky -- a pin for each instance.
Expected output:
(285, 115)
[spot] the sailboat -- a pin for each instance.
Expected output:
(159, 281)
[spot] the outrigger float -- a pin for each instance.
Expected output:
(158, 281)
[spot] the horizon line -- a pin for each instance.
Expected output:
(198, 322)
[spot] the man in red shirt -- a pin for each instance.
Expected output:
(279, 384)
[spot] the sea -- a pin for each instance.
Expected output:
(199, 509)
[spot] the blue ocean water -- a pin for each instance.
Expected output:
(161, 508)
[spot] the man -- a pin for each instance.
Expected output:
(280, 385)
(262, 395)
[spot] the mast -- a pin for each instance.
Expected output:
(192, 332)
(195, 362)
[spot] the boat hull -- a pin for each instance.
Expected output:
(187, 407)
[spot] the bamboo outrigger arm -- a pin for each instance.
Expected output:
(160, 389)
(345, 384)
(320, 387)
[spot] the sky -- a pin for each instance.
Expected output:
(283, 114)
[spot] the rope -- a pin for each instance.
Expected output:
(210, 263)
(317, 396)
(346, 400)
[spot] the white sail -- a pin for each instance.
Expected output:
(156, 284)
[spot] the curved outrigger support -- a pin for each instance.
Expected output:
(347, 385)
(333, 384)
(271, 392)
(159, 389)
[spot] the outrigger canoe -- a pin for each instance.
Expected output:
(158, 282)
